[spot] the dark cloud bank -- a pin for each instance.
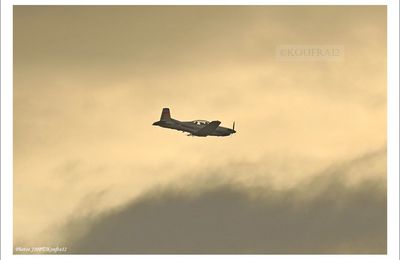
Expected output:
(321, 216)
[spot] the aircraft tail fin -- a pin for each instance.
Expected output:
(165, 114)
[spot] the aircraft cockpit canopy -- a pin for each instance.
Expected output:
(201, 122)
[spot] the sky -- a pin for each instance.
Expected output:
(89, 81)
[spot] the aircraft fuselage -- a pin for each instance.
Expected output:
(195, 128)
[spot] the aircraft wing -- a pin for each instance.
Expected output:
(209, 128)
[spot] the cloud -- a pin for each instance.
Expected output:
(324, 215)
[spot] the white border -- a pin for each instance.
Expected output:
(199, 2)
(7, 121)
(393, 128)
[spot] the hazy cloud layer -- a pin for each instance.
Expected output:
(322, 215)
(227, 220)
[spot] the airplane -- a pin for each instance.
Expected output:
(201, 128)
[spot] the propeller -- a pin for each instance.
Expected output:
(233, 127)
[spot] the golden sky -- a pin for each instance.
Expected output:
(89, 81)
